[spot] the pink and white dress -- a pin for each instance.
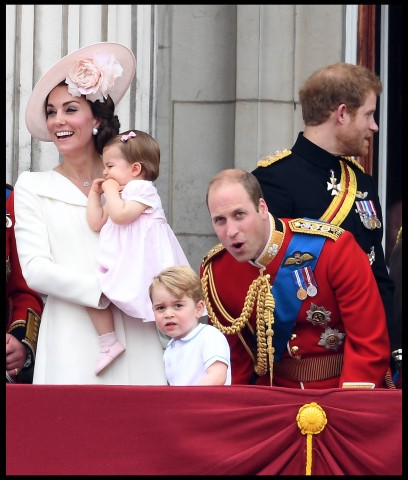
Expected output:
(129, 256)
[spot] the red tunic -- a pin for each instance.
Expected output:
(349, 295)
(19, 297)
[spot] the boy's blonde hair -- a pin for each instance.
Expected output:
(179, 280)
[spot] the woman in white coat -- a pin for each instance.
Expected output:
(73, 106)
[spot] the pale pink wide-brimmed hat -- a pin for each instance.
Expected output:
(97, 70)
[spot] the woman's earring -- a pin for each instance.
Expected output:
(95, 131)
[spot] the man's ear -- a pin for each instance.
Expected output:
(263, 207)
(341, 110)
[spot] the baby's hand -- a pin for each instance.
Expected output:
(97, 186)
(110, 184)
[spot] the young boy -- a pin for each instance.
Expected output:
(197, 354)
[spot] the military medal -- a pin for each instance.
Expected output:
(367, 215)
(362, 213)
(318, 316)
(311, 282)
(301, 293)
(306, 283)
(367, 222)
(311, 290)
(331, 339)
(374, 214)
(333, 185)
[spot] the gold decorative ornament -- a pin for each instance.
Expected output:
(259, 293)
(311, 420)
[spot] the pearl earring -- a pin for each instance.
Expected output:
(95, 131)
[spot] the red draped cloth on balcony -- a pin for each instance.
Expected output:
(231, 430)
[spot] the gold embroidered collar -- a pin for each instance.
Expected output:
(272, 246)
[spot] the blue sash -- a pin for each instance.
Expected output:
(287, 304)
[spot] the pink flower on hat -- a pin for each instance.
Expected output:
(93, 77)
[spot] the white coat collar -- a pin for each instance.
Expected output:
(53, 185)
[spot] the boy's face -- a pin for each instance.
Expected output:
(175, 317)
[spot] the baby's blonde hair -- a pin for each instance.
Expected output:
(141, 148)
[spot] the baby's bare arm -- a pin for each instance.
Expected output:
(95, 212)
(120, 211)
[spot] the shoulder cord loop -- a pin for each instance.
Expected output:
(259, 292)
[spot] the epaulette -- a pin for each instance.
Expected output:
(274, 157)
(212, 253)
(354, 162)
(315, 227)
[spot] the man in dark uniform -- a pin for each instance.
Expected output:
(23, 310)
(295, 298)
(319, 177)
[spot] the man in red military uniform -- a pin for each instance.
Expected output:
(23, 310)
(313, 328)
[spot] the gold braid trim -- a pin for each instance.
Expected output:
(32, 329)
(259, 292)
(277, 155)
(399, 235)
(302, 225)
(355, 162)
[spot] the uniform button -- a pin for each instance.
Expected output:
(294, 350)
(293, 336)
